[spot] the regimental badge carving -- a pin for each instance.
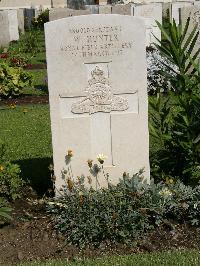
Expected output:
(100, 97)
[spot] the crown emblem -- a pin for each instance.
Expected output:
(97, 72)
(98, 76)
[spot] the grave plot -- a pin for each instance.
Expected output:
(98, 94)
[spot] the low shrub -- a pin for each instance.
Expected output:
(18, 61)
(14, 60)
(13, 80)
(10, 180)
(5, 210)
(174, 118)
(41, 20)
(28, 43)
(174, 128)
(121, 213)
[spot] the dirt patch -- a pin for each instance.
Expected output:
(31, 236)
(35, 66)
(44, 99)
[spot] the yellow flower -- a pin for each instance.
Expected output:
(169, 180)
(80, 193)
(101, 158)
(25, 110)
(1, 168)
(70, 184)
(12, 106)
(89, 162)
(69, 153)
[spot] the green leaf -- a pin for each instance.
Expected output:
(185, 29)
(5, 212)
(197, 139)
(189, 39)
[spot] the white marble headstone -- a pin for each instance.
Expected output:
(122, 9)
(175, 10)
(4, 29)
(58, 13)
(98, 93)
(20, 17)
(8, 27)
(151, 13)
(105, 9)
(151, 10)
(93, 9)
(152, 31)
(103, 2)
(15, 4)
(13, 25)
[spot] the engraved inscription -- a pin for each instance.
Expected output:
(100, 97)
(96, 41)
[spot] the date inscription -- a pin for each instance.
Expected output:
(96, 41)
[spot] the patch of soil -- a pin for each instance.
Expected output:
(35, 66)
(30, 236)
(25, 100)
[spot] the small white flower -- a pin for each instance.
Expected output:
(165, 192)
(56, 203)
(51, 203)
(195, 205)
(155, 64)
(80, 193)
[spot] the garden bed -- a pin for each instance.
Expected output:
(35, 66)
(29, 99)
(31, 236)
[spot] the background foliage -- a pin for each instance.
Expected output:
(41, 19)
(174, 117)
(13, 80)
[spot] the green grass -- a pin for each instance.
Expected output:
(39, 58)
(176, 258)
(39, 85)
(28, 139)
(27, 135)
